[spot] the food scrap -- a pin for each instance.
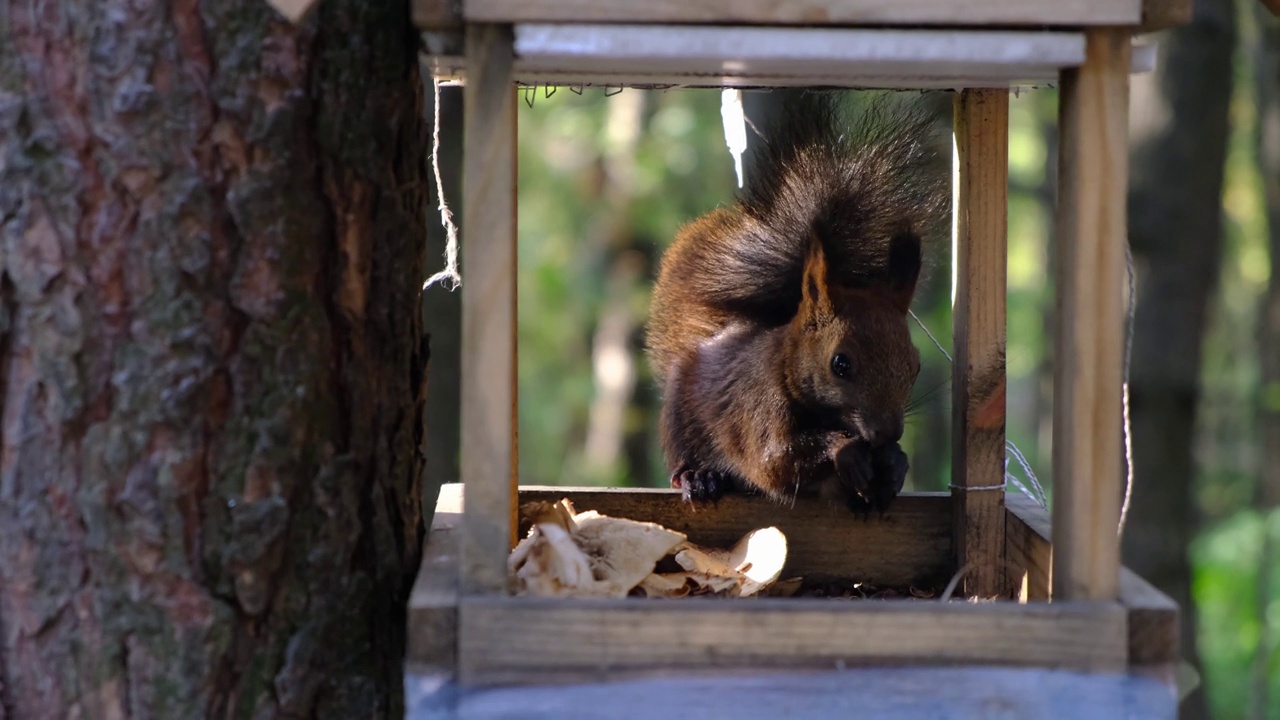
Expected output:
(571, 554)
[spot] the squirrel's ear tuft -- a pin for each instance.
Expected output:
(904, 267)
(815, 299)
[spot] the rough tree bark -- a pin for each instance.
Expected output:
(211, 235)
(1175, 226)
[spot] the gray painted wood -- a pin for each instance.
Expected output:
(900, 693)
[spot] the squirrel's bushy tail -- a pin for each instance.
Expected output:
(854, 177)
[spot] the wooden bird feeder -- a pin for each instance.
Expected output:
(1067, 603)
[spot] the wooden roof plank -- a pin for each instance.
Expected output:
(1038, 13)
(666, 55)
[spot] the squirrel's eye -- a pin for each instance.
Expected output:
(840, 365)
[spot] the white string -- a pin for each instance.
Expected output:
(1021, 459)
(450, 271)
(936, 344)
(1128, 426)
(1010, 449)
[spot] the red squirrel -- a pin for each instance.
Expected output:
(778, 327)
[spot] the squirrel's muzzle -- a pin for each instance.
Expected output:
(880, 431)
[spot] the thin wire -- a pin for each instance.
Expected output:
(1010, 449)
(450, 271)
(1021, 459)
(1128, 425)
(937, 344)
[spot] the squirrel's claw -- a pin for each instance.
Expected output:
(872, 477)
(890, 472)
(701, 486)
(855, 470)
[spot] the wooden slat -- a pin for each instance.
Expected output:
(978, 332)
(433, 604)
(690, 56)
(1091, 235)
(1153, 622)
(1027, 548)
(872, 693)
(437, 14)
(938, 77)
(711, 55)
(488, 459)
(542, 640)
(812, 12)
(1162, 14)
(1153, 616)
(910, 545)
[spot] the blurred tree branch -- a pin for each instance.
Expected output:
(1267, 92)
(1179, 137)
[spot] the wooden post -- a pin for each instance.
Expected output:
(488, 462)
(1089, 338)
(978, 322)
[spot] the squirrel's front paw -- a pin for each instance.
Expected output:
(856, 472)
(701, 486)
(889, 469)
(871, 478)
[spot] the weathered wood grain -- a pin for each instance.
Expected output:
(433, 604)
(1153, 628)
(715, 56)
(908, 545)
(1153, 622)
(1034, 13)
(543, 640)
(437, 14)
(978, 332)
(488, 395)
(1027, 548)
(1148, 633)
(684, 54)
(1089, 343)
(1162, 14)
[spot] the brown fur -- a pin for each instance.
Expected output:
(748, 315)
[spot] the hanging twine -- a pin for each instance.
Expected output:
(450, 271)
(1128, 426)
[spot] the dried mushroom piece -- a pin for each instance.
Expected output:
(571, 554)
(753, 564)
(568, 554)
(623, 552)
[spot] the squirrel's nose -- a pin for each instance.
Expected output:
(884, 432)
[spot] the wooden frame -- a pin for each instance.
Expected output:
(978, 328)
(1100, 617)
(912, 13)
(1144, 15)
(738, 56)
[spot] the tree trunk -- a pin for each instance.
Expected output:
(213, 225)
(1175, 226)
